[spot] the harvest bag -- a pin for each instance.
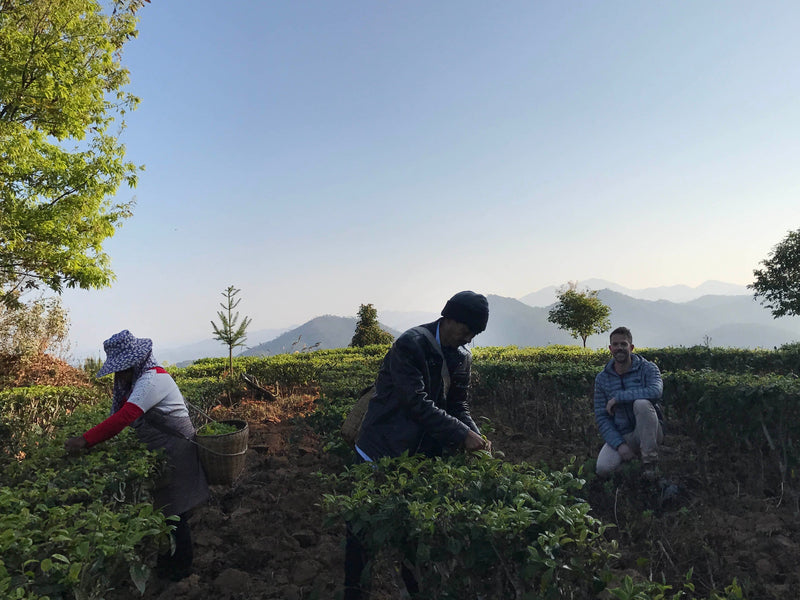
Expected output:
(351, 428)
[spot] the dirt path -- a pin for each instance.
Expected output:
(263, 538)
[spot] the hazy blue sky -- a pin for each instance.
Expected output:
(323, 154)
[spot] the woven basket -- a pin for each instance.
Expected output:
(222, 456)
(351, 427)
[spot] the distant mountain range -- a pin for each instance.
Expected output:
(733, 320)
(674, 293)
(320, 333)
(209, 348)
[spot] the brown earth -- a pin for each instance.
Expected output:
(724, 516)
(263, 537)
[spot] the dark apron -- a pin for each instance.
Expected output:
(183, 485)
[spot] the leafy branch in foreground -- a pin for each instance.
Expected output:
(778, 283)
(61, 90)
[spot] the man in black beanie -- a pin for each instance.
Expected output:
(421, 404)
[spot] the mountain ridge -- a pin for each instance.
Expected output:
(674, 293)
(715, 319)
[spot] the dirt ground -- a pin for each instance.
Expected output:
(263, 538)
(723, 516)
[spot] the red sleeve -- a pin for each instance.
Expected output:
(113, 424)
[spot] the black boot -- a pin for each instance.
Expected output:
(178, 566)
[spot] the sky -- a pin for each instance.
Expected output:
(318, 155)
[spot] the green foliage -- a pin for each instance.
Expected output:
(472, 526)
(785, 360)
(580, 313)
(32, 411)
(228, 332)
(203, 392)
(338, 371)
(215, 428)
(368, 331)
(32, 328)
(548, 354)
(92, 365)
(61, 91)
(536, 395)
(76, 527)
(778, 283)
(652, 590)
(741, 412)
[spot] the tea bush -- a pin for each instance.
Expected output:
(77, 527)
(472, 526)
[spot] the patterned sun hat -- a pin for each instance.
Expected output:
(124, 351)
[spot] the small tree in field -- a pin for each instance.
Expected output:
(228, 332)
(580, 313)
(778, 283)
(368, 330)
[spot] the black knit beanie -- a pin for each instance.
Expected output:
(469, 308)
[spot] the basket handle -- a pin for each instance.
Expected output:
(190, 405)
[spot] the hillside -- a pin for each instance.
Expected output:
(321, 333)
(512, 323)
(720, 320)
(673, 293)
(734, 321)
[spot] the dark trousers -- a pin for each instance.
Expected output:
(178, 565)
(355, 561)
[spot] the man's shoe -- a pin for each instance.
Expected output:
(650, 471)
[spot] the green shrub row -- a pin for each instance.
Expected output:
(784, 360)
(473, 526)
(740, 412)
(542, 354)
(76, 527)
(289, 369)
(33, 410)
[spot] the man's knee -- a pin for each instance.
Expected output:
(644, 409)
(607, 461)
(604, 471)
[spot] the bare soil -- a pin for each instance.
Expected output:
(723, 515)
(263, 537)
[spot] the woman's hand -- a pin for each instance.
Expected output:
(74, 445)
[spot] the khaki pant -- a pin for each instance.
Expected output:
(643, 440)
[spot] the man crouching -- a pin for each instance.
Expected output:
(626, 393)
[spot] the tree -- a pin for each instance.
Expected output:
(778, 283)
(580, 313)
(62, 108)
(228, 332)
(368, 330)
(33, 328)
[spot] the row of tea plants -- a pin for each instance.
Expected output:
(72, 527)
(76, 528)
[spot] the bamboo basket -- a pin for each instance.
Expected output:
(222, 456)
